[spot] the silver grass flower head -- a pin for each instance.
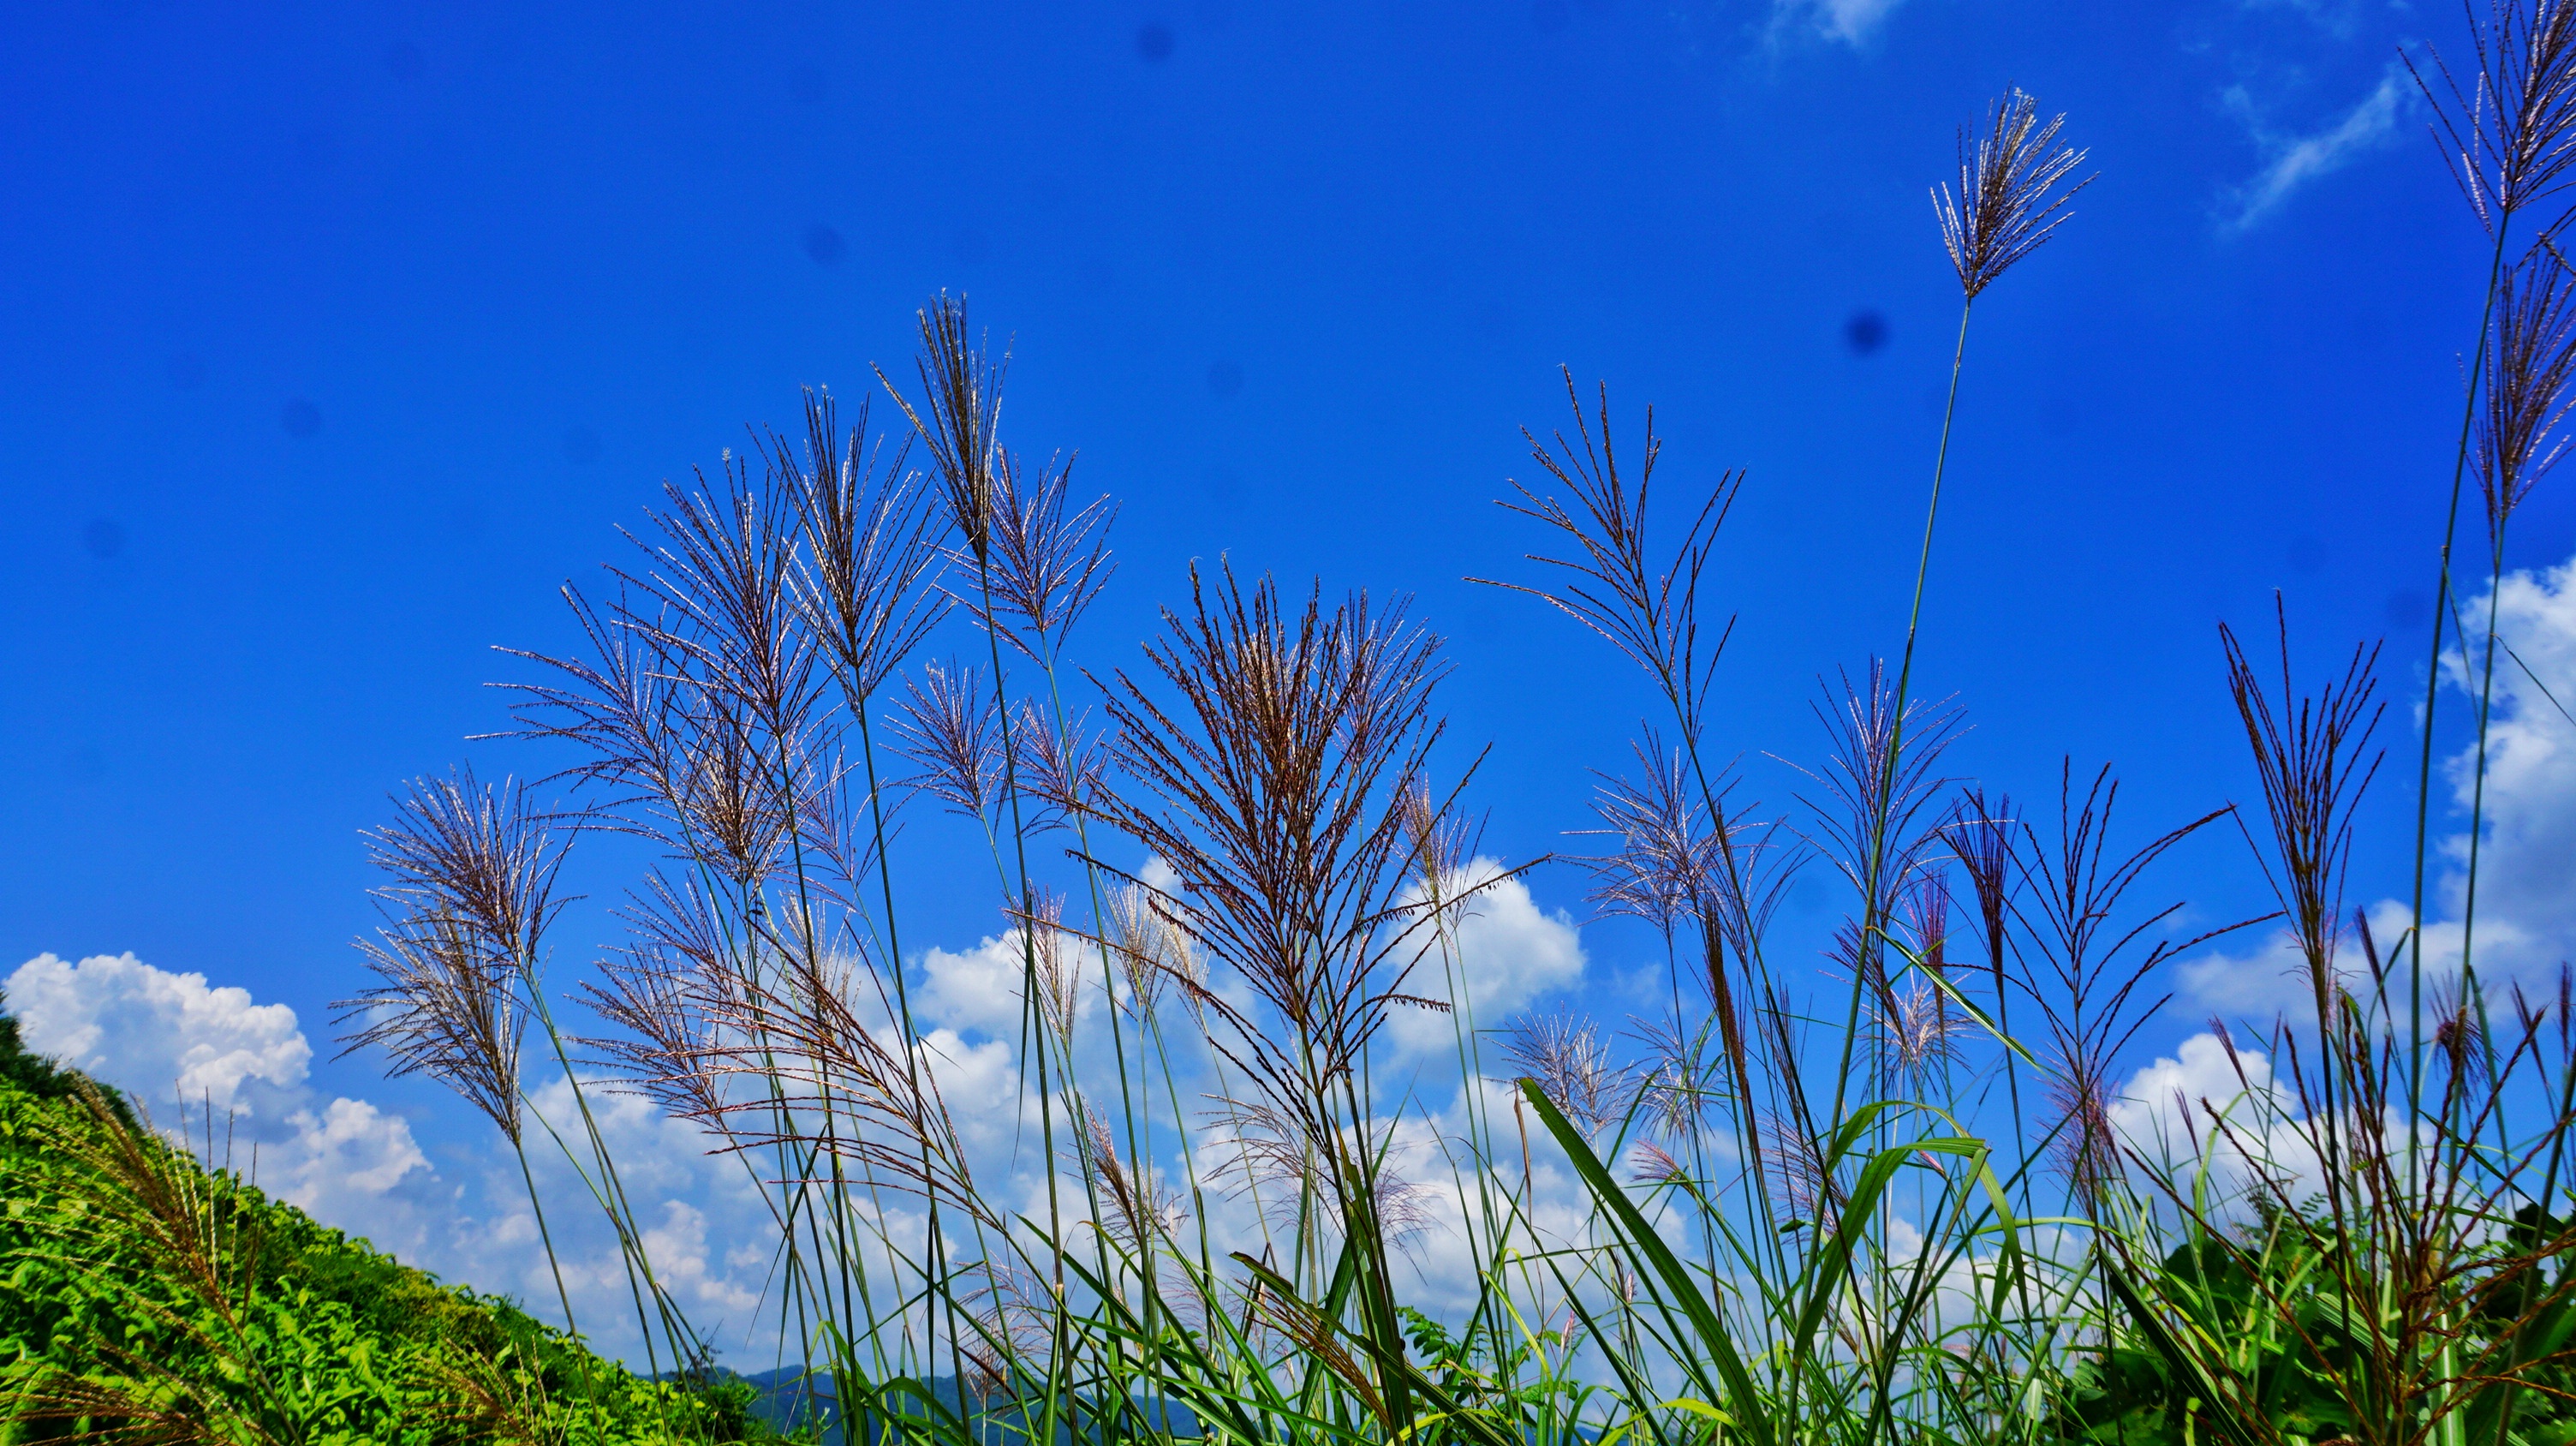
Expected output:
(1152, 949)
(1061, 771)
(1651, 1164)
(962, 392)
(2004, 208)
(1921, 1027)
(866, 585)
(952, 729)
(2530, 384)
(1572, 1064)
(2507, 125)
(1049, 561)
(1059, 973)
(445, 1008)
(1441, 841)
(1795, 1166)
(1142, 1207)
(1267, 1154)
(1668, 854)
(1670, 1078)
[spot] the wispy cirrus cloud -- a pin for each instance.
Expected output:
(2294, 161)
(1849, 21)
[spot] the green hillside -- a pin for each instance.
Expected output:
(146, 1299)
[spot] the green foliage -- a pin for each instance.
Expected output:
(30, 1073)
(2267, 1312)
(143, 1298)
(2265, 1301)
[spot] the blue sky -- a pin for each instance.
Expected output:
(340, 336)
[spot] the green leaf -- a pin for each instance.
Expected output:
(1642, 1243)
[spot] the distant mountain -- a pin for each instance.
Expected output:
(789, 1398)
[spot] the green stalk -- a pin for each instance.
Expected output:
(1138, 1147)
(2432, 695)
(1035, 1033)
(1872, 919)
(589, 1387)
(934, 1265)
(2478, 785)
(2433, 682)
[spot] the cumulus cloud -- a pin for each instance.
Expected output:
(2526, 901)
(173, 1041)
(708, 1213)
(178, 1045)
(2161, 1110)
(348, 1150)
(980, 988)
(2213, 1105)
(2256, 982)
(2268, 978)
(2526, 904)
(1508, 951)
(2292, 161)
(980, 1083)
(160, 1035)
(976, 988)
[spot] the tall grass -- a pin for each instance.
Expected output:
(1905, 1201)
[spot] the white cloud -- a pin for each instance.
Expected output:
(2269, 979)
(158, 1035)
(2293, 161)
(1508, 951)
(2526, 884)
(976, 988)
(980, 988)
(1849, 21)
(979, 1083)
(711, 1290)
(707, 1215)
(2162, 1110)
(2266, 979)
(2526, 904)
(171, 1041)
(2205, 1106)
(176, 1044)
(347, 1152)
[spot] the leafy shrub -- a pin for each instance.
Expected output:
(145, 1298)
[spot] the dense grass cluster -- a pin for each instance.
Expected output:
(144, 1297)
(1901, 1200)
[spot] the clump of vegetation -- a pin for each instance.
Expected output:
(1894, 1205)
(145, 1298)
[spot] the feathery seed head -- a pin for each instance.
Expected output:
(952, 729)
(444, 1008)
(1667, 856)
(1059, 770)
(962, 393)
(2004, 210)
(1571, 1062)
(867, 544)
(1048, 565)
(2509, 135)
(1152, 949)
(2526, 395)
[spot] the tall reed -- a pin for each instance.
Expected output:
(1907, 1200)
